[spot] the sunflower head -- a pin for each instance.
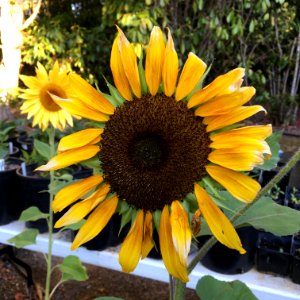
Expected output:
(39, 97)
(163, 136)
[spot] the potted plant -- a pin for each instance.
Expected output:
(277, 194)
(273, 254)
(7, 147)
(10, 200)
(292, 197)
(295, 270)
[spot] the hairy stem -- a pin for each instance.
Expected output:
(51, 133)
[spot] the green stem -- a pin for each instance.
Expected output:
(171, 287)
(283, 171)
(179, 290)
(51, 134)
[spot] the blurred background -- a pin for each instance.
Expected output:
(263, 36)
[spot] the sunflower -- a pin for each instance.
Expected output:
(38, 101)
(163, 137)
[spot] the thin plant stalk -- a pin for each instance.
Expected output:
(171, 287)
(180, 286)
(51, 134)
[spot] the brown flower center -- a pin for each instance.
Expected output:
(46, 100)
(153, 150)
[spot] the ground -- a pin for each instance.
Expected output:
(101, 282)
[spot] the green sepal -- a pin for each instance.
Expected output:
(111, 99)
(74, 227)
(142, 76)
(126, 218)
(115, 94)
(199, 85)
(156, 219)
(273, 142)
(122, 207)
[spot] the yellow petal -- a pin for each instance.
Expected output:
(131, 248)
(31, 82)
(70, 157)
(260, 132)
(129, 63)
(118, 72)
(217, 87)
(181, 232)
(77, 107)
(96, 222)
(79, 210)
(154, 60)
(54, 73)
(236, 159)
(79, 139)
(41, 73)
(191, 74)
(241, 142)
(147, 243)
(236, 115)
(224, 103)
(170, 67)
(170, 256)
(237, 184)
(90, 96)
(218, 223)
(74, 191)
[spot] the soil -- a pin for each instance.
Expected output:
(102, 282)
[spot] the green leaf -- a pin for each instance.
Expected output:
(75, 226)
(108, 298)
(72, 269)
(42, 148)
(209, 288)
(268, 215)
(32, 214)
(25, 238)
(273, 142)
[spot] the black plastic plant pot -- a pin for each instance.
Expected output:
(273, 254)
(296, 241)
(295, 272)
(10, 201)
(15, 152)
(228, 261)
(34, 188)
(109, 236)
(25, 143)
(292, 197)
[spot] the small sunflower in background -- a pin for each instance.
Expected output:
(38, 102)
(165, 136)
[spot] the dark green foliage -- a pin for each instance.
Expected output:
(260, 36)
